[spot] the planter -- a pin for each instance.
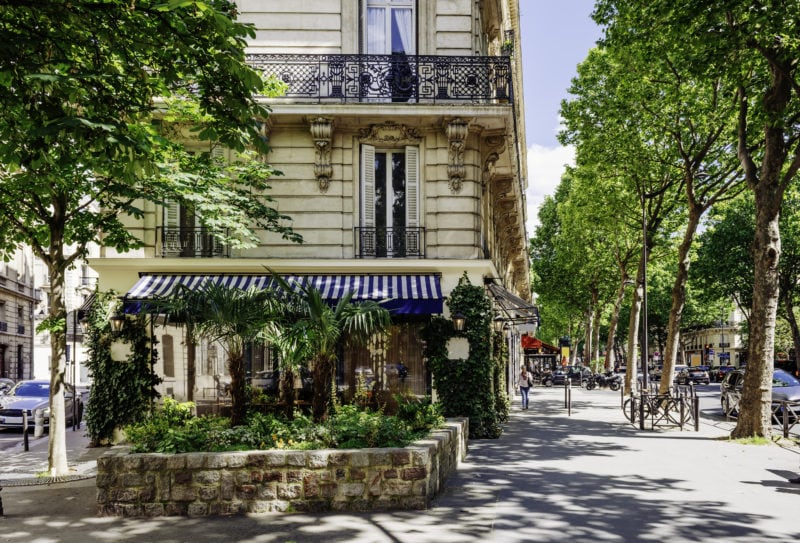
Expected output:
(230, 483)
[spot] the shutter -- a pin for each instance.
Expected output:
(172, 215)
(412, 187)
(368, 183)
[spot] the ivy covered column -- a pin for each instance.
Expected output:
(467, 386)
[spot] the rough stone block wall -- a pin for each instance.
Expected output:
(200, 484)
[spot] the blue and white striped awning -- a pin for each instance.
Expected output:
(402, 294)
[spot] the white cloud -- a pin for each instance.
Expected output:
(546, 165)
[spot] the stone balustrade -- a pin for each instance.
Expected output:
(230, 483)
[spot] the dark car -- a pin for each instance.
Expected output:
(785, 387)
(693, 374)
(717, 373)
(270, 382)
(28, 397)
(559, 377)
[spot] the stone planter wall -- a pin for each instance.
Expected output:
(199, 484)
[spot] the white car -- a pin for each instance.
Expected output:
(32, 396)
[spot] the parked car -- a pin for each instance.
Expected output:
(693, 374)
(717, 373)
(270, 381)
(558, 377)
(785, 387)
(32, 396)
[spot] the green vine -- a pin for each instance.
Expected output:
(467, 387)
(122, 391)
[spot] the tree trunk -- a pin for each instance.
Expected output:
(287, 392)
(612, 326)
(238, 388)
(755, 411)
(191, 362)
(57, 445)
(633, 332)
(678, 300)
(323, 373)
(787, 293)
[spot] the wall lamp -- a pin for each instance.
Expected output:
(498, 323)
(117, 322)
(459, 320)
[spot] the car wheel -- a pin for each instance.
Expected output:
(547, 382)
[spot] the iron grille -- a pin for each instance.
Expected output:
(390, 242)
(191, 243)
(389, 78)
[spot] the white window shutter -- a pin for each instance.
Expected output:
(368, 184)
(172, 215)
(412, 187)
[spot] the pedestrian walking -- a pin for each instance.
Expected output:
(524, 383)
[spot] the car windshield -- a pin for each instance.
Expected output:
(40, 390)
(781, 379)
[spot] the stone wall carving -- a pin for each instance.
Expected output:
(457, 131)
(322, 134)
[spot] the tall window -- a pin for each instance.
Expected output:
(389, 202)
(390, 27)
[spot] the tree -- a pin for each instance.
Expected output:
(79, 148)
(323, 328)
(234, 317)
(752, 49)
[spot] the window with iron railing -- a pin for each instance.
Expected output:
(390, 242)
(190, 242)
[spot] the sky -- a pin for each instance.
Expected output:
(556, 37)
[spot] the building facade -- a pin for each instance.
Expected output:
(402, 148)
(17, 299)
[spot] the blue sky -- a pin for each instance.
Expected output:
(556, 37)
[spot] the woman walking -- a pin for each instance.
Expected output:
(524, 384)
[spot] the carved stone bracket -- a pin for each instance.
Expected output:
(457, 130)
(322, 133)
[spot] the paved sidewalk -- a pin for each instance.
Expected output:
(551, 477)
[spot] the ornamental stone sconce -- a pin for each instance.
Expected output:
(321, 134)
(457, 130)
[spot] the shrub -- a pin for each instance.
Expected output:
(173, 429)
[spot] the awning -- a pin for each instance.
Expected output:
(401, 294)
(511, 307)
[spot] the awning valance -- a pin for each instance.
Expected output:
(513, 308)
(401, 294)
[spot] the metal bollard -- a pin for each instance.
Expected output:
(25, 429)
(1, 502)
(38, 423)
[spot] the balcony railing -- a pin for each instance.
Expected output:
(390, 242)
(389, 78)
(191, 243)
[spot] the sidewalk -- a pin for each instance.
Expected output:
(20, 467)
(551, 477)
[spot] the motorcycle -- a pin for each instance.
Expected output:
(603, 380)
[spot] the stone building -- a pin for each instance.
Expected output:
(17, 299)
(402, 146)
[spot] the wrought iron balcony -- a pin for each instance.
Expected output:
(389, 78)
(390, 242)
(191, 243)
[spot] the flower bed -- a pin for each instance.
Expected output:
(228, 483)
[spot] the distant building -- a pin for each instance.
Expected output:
(17, 299)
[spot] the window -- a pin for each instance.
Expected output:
(389, 201)
(390, 27)
(168, 351)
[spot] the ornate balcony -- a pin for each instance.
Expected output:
(389, 78)
(190, 243)
(390, 242)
